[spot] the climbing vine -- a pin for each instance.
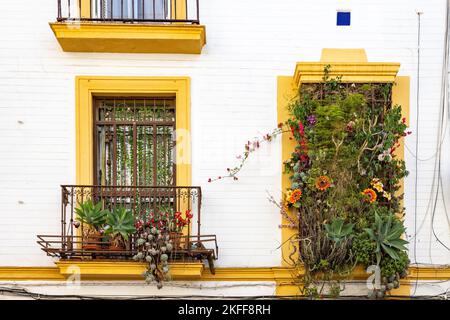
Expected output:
(344, 200)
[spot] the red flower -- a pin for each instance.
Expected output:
(301, 129)
(138, 224)
(189, 215)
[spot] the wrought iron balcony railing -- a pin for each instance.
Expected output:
(129, 11)
(143, 202)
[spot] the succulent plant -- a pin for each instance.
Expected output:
(138, 256)
(120, 222)
(337, 230)
(387, 236)
(164, 257)
(91, 214)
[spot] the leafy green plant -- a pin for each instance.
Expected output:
(390, 267)
(387, 237)
(363, 249)
(91, 214)
(338, 230)
(120, 222)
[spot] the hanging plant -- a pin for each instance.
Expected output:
(155, 242)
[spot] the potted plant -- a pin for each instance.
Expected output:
(92, 217)
(176, 225)
(119, 226)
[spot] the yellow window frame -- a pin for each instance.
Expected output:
(87, 87)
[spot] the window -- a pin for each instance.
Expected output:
(343, 18)
(134, 141)
(130, 9)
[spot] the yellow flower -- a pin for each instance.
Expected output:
(377, 184)
(387, 195)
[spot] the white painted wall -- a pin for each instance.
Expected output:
(138, 289)
(234, 82)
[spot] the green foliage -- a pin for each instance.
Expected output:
(338, 231)
(330, 122)
(91, 214)
(353, 104)
(390, 267)
(387, 236)
(120, 222)
(363, 249)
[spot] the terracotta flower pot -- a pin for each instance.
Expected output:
(117, 247)
(92, 241)
(176, 239)
(117, 244)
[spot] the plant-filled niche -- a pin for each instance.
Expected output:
(344, 200)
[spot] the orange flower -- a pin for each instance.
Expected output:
(294, 196)
(323, 183)
(370, 195)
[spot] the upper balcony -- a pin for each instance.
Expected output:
(130, 26)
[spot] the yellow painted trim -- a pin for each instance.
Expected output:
(400, 96)
(249, 274)
(285, 94)
(311, 72)
(429, 273)
(30, 273)
(86, 8)
(351, 64)
(87, 87)
(281, 275)
(130, 38)
(343, 55)
(115, 270)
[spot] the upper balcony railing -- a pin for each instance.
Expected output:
(129, 11)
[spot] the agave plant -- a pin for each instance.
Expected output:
(120, 222)
(387, 236)
(91, 214)
(337, 230)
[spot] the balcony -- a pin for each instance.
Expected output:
(129, 26)
(71, 246)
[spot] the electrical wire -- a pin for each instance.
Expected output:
(417, 140)
(39, 296)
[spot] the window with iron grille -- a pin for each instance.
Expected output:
(130, 9)
(134, 141)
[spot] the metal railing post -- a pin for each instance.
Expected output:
(198, 12)
(59, 11)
